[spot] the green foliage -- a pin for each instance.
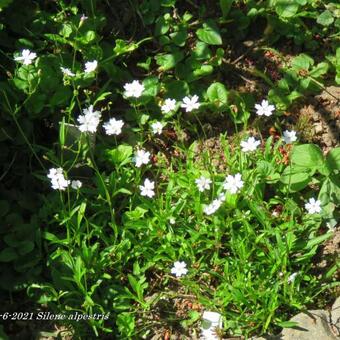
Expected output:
(104, 247)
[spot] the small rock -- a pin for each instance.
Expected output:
(335, 315)
(314, 325)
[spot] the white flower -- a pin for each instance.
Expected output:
(134, 89)
(221, 197)
(190, 104)
(169, 105)
(142, 157)
(148, 188)
(172, 220)
(210, 321)
(89, 120)
(233, 183)
(179, 268)
(113, 126)
(212, 207)
(292, 277)
(264, 108)
(26, 57)
(203, 183)
(76, 184)
(157, 128)
(313, 206)
(90, 66)
(289, 136)
(67, 72)
(58, 180)
(83, 17)
(250, 144)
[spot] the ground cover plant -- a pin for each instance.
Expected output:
(154, 165)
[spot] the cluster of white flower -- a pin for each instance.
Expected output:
(26, 57)
(58, 180)
(76, 184)
(148, 188)
(91, 66)
(168, 105)
(179, 268)
(289, 136)
(141, 157)
(233, 183)
(67, 72)
(203, 183)
(213, 206)
(89, 120)
(190, 103)
(113, 126)
(157, 128)
(313, 206)
(250, 144)
(134, 89)
(264, 109)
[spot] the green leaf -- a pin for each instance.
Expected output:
(209, 33)
(126, 324)
(25, 247)
(295, 177)
(225, 7)
(201, 51)
(333, 159)
(176, 89)
(317, 240)
(61, 96)
(123, 47)
(136, 214)
(168, 61)
(121, 155)
(319, 70)
(307, 156)
(162, 26)
(5, 3)
(325, 18)
(8, 254)
(287, 324)
(179, 37)
(217, 94)
(302, 62)
(286, 8)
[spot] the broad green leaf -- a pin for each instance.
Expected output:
(333, 159)
(319, 70)
(179, 37)
(120, 155)
(8, 254)
(225, 7)
(286, 8)
(307, 156)
(295, 177)
(218, 94)
(325, 18)
(177, 89)
(210, 33)
(162, 26)
(302, 62)
(123, 47)
(169, 61)
(5, 3)
(317, 240)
